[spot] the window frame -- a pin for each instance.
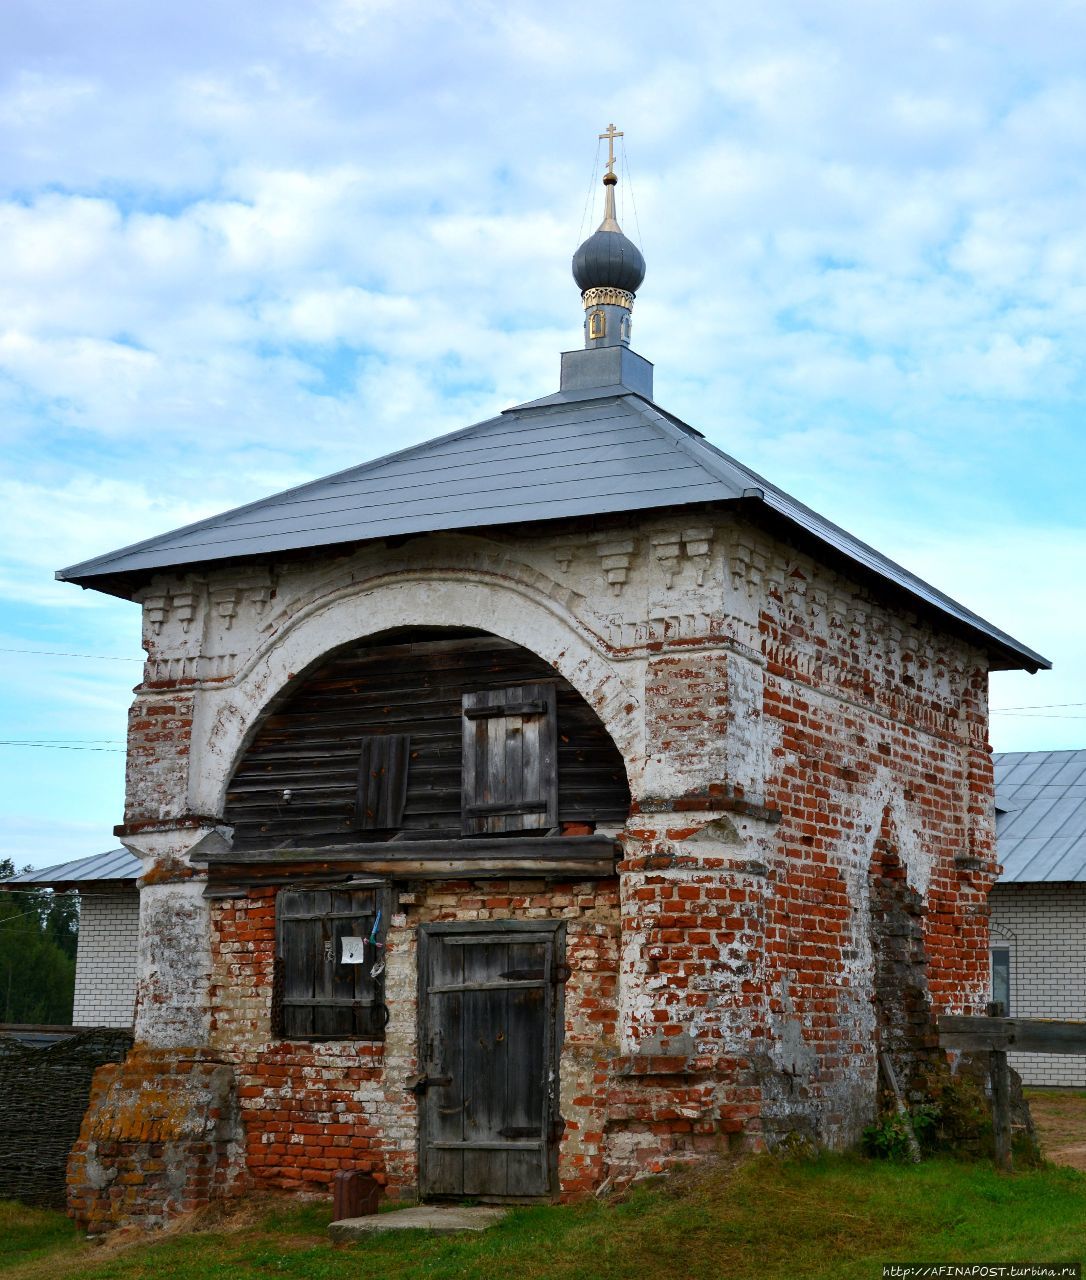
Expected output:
(1004, 963)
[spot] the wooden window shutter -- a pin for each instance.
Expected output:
(510, 779)
(318, 996)
(382, 781)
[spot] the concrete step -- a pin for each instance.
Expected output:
(439, 1219)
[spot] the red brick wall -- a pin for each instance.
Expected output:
(159, 743)
(312, 1108)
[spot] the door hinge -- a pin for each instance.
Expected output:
(559, 974)
(419, 1084)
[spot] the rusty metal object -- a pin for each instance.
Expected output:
(354, 1194)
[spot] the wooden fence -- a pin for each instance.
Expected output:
(997, 1035)
(43, 1094)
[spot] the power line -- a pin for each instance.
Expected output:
(55, 653)
(23, 916)
(1039, 706)
(62, 746)
(1035, 715)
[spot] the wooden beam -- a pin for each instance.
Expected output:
(232, 882)
(1021, 1035)
(449, 851)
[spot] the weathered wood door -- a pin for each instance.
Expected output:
(490, 1008)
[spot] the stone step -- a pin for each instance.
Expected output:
(439, 1219)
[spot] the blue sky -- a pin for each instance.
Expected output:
(250, 244)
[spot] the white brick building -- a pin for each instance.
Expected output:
(105, 966)
(109, 912)
(1038, 907)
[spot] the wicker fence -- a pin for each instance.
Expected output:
(43, 1095)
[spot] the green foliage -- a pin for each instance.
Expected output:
(888, 1137)
(39, 931)
(965, 1113)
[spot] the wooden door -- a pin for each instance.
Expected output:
(490, 1008)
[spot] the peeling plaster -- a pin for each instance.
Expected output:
(172, 996)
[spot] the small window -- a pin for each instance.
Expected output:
(329, 962)
(510, 754)
(597, 325)
(1001, 978)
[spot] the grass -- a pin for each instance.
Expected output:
(833, 1217)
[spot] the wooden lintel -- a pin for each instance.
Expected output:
(516, 850)
(1021, 1035)
(232, 881)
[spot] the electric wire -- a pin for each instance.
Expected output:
(590, 192)
(25, 915)
(56, 653)
(633, 196)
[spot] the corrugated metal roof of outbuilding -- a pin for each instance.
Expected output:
(598, 452)
(1041, 815)
(114, 865)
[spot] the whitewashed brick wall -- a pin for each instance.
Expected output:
(1044, 928)
(105, 967)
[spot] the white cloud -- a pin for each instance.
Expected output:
(249, 244)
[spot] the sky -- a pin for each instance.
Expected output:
(249, 244)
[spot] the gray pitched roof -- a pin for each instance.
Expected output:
(575, 453)
(118, 865)
(1041, 815)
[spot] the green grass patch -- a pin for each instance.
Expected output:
(836, 1217)
(27, 1235)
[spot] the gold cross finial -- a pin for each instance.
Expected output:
(611, 133)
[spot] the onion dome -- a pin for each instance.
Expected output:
(607, 259)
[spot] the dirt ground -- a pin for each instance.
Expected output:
(1060, 1118)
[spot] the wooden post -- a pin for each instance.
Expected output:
(890, 1076)
(1000, 1073)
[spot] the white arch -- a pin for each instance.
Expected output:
(225, 717)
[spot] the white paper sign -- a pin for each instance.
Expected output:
(354, 950)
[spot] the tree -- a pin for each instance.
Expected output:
(39, 931)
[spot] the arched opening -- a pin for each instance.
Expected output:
(369, 745)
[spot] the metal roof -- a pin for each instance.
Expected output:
(1041, 815)
(116, 865)
(575, 453)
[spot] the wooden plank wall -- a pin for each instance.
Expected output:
(310, 741)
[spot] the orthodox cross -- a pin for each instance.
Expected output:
(611, 133)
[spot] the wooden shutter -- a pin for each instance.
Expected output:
(382, 781)
(319, 997)
(510, 779)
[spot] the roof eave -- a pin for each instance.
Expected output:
(1005, 653)
(65, 886)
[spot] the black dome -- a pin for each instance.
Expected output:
(608, 260)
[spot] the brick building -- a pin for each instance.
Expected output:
(1038, 905)
(532, 807)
